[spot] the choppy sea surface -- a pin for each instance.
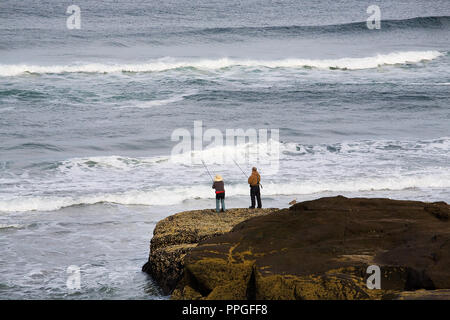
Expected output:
(87, 115)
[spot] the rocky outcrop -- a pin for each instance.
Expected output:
(424, 295)
(317, 249)
(176, 235)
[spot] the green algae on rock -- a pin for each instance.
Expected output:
(176, 235)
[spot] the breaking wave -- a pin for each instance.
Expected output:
(354, 166)
(10, 226)
(165, 64)
(172, 196)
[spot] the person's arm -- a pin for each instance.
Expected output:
(214, 185)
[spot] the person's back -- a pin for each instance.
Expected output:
(219, 186)
(255, 192)
(254, 178)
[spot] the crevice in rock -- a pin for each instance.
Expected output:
(251, 286)
(193, 282)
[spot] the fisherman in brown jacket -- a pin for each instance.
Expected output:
(254, 182)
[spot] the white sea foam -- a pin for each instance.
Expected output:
(157, 102)
(218, 154)
(10, 226)
(354, 166)
(6, 109)
(109, 162)
(430, 83)
(164, 64)
(152, 103)
(175, 195)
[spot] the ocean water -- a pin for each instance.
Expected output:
(86, 118)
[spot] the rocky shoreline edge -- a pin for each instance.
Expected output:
(319, 249)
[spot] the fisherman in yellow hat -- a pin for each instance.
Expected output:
(219, 186)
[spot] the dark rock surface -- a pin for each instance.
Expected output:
(321, 250)
(176, 235)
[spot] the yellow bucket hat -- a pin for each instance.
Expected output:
(218, 177)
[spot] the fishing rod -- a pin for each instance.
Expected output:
(207, 170)
(244, 172)
(240, 168)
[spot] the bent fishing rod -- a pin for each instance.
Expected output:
(244, 172)
(204, 164)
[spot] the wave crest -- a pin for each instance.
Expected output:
(159, 196)
(352, 27)
(166, 64)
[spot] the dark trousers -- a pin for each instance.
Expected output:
(255, 192)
